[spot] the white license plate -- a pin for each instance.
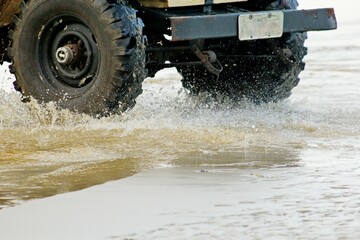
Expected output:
(261, 25)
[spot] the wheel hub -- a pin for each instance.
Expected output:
(72, 54)
(69, 52)
(64, 55)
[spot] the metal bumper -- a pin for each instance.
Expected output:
(226, 24)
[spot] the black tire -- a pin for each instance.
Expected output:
(4, 44)
(107, 55)
(258, 79)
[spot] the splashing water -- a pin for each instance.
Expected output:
(300, 157)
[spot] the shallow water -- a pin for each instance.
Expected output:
(186, 168)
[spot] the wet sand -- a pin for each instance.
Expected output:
(183, 202)
(180, 168)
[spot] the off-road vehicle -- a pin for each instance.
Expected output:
(91, 56)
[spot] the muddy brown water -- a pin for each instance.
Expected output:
(177, 167)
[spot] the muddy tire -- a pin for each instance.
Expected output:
(87, 56)
(259, 71)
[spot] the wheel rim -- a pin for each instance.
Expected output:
(68, 54)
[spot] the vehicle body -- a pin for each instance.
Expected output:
(8, 9)
(244, 49)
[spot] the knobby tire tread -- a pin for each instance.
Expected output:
(272, 83)
(128, 57)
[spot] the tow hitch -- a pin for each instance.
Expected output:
(209, 60)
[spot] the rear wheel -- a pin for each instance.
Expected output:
(87, 56)
(260, 71)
